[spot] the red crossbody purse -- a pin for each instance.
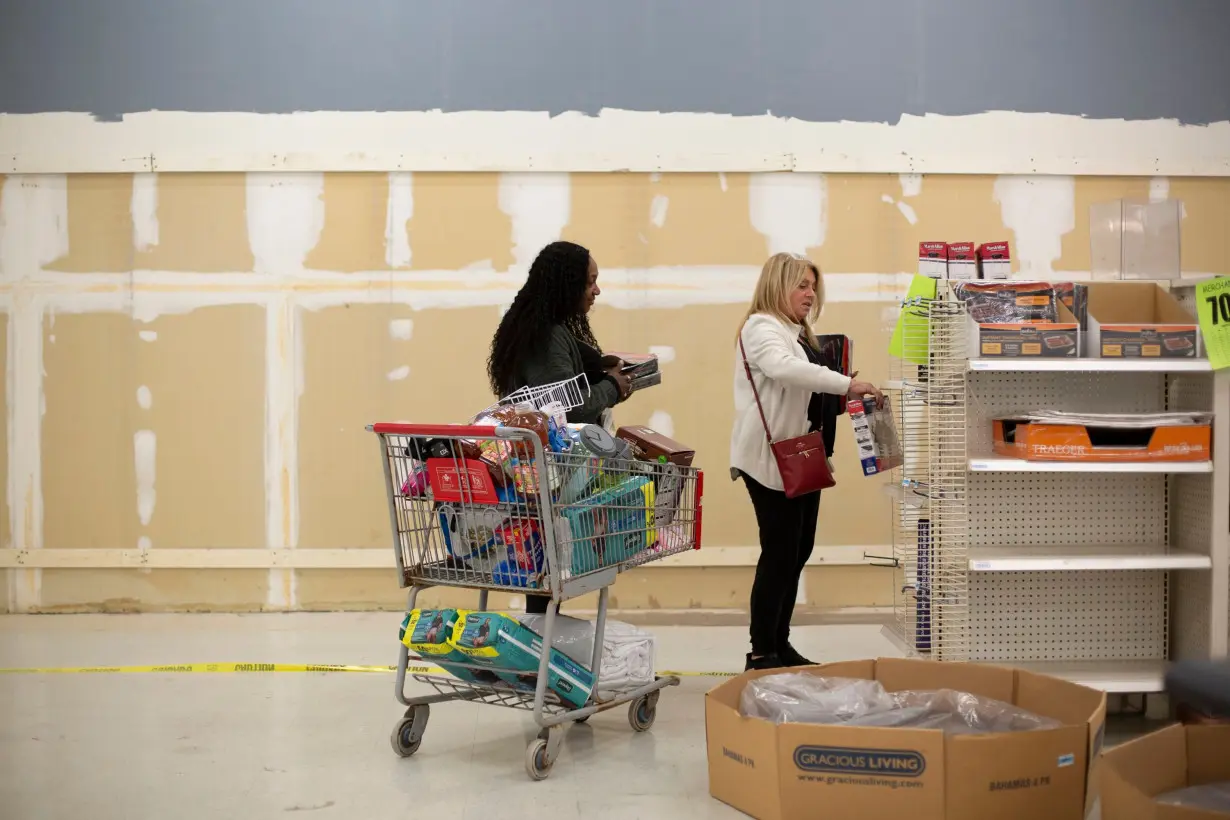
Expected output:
(801, 460)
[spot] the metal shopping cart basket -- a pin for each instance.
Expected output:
(492, 508)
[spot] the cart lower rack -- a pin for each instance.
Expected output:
(521, 511)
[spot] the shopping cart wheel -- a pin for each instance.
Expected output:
(537, 762)
(643, 711)
(407, 733)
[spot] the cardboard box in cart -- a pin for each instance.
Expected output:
(798, 771)
(1136, 773)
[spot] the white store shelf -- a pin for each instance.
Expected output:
(1060, 559)
(1002, 464)
(1124, 677)
(1088, 365)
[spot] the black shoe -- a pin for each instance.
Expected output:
(763, 662)
(790, 657)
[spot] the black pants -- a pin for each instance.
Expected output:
(787, 535)
(536, 604)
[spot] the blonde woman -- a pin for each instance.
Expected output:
(784, 357)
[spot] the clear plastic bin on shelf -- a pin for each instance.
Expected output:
(1135, 239)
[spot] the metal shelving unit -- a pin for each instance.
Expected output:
(1098, 573)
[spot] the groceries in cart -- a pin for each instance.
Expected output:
(429, 632)
(498, 649)
(800, 697)
(513, 652)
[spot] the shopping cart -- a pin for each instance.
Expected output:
(492, 508)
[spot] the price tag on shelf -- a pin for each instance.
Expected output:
(1213, 313)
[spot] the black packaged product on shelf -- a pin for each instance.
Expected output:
(1008, 302)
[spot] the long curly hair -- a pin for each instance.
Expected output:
(552, 295)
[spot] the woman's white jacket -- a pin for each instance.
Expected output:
(786, 381)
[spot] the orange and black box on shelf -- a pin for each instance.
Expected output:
(1019, 320)
(1047, 441)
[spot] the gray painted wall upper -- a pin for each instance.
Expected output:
(819, 60)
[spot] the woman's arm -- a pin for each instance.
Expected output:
(769, 351)
(557, 365)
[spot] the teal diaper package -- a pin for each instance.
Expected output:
(429, 633)
(513, 651)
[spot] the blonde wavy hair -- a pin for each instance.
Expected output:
(779, 277)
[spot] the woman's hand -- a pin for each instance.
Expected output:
(621, 381)
(859, 390)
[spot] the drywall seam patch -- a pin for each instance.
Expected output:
(790, 210)
(661, 421)
(285, 215)
(33, 232)
(539, 206)
(657, 210)
(994, 142)
(1040, 210)
(398, 213)
(401, 329)
(144, 211)
(145, 453)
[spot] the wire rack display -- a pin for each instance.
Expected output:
(1096, 575)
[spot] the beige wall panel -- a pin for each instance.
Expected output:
(90, 390)
(457, 222)
(99, 224)
(1089, 191)
(205, 374)
(164, 590)
(865, 233)
(827, 588)
(612, 215)
(202, 225)
(356, 211)
(5, 513)
(696, 393)
(1205, 232)
(349, 355)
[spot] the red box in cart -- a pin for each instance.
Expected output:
(466, 480)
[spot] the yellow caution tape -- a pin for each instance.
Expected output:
(214, 668)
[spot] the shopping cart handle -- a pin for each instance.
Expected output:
(450, 431)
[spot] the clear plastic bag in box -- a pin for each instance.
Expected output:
(1210, 797)
(799, 697)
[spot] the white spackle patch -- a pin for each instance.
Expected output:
(887, 198)
(52, 338)
(800, 597)
(516, 603)
(401, 329)
(144, 543)
(148, 335)
(657, 210)
(790, 210)
(144, 211)
(398, 212)
(286, 213)
(722, 180)
(655, 176)
(399, 373)
(145, 448)
(1039, 210)
(662, 422)
(665, 353)
(539, 206)
(908, 212)
(1159, 189)
(911, 184)
(145, 399)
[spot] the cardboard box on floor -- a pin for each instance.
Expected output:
(803, 770)
(1138, 771)
(1139, 320)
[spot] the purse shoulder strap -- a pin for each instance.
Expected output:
(747, 368)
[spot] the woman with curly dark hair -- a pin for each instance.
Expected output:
(545, 338)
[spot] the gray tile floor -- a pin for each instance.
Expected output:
(267, 745)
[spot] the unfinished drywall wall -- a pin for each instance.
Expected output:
(190, 359)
